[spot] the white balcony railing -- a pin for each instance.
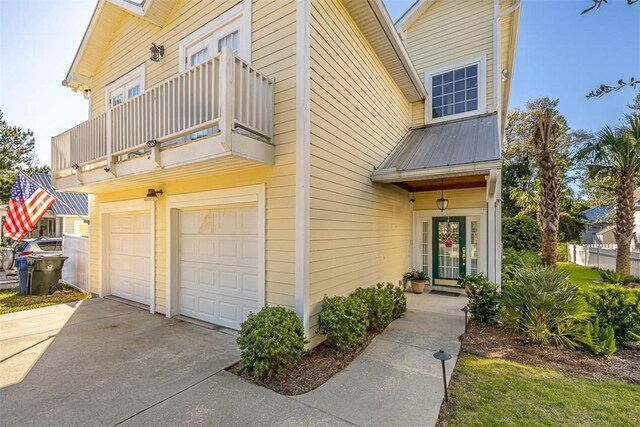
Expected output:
(222, 95)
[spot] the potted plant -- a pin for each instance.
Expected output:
(418, 280)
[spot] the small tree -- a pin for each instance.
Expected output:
(615, 154)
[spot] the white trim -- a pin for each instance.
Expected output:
(420, 216)
(105, 209)
(236, 18)
(482, 88)
(303, 160)
(412, 14)
(137, 73)
(391, 175)
(228, 196)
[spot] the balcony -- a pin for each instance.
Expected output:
(215, 117)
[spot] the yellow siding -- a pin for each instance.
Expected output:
(417, 114)
(359, 230)
(458, 199)
(273, 53)
(451, 31)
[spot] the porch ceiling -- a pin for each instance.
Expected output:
(452, 183)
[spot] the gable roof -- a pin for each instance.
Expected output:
(105, 19)
(77, 202)
(414, 12)
(598, 214)
(374, 22)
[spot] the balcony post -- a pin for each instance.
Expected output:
(108, 140)
(226, 96)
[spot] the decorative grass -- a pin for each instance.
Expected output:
(11, 300)
(497, 392)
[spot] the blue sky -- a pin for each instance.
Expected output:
(560, 54)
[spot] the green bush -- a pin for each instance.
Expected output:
(562, 254)
(599, 341)
(521, 233)
(512, 258)
(569, 228)
(619, 308)
(271, 341)
(379, 305)
(542, 305)
(483, 297)
(397, 295)
(615, 278)
(343, 321)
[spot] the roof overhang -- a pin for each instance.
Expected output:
(373, 20)
(105, 20)
(412, 14)
(394, 176)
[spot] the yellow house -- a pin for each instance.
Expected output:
(244, 153)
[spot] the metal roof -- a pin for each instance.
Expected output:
(458, 142)
(77, 201)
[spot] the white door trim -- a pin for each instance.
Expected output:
(127, 206)
(427, 215)
(228, 196)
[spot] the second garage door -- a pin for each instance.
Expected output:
(219, 264)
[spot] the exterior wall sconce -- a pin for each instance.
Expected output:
(74, 166)
(156, 52)
(152, 143)
(442, 202)
(152, 195)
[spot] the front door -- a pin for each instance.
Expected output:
(449, 250)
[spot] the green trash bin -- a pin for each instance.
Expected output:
(45, 273)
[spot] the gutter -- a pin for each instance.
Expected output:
(392, 175)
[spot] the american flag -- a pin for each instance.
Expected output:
(28, 203)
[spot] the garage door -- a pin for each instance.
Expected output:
(129, 252)
(219, 264)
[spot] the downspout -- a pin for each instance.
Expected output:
(411, 230)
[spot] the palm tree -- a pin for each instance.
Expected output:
(615, 154)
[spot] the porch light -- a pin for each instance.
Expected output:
(152, 195)
(443, 356)
(74, 166)
(442, 202)
(156, 52)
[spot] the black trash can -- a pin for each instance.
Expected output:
(45, 273)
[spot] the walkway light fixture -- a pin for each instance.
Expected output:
(443, 356)
(442, 202)
(466, 312)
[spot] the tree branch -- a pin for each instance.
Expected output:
(604, 89)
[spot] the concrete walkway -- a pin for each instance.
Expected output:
(100, 362)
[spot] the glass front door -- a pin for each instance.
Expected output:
(449, 250)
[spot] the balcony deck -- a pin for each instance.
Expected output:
(214, 118)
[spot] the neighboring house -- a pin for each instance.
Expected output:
(68, 217)
(300, 147)
(596, 219)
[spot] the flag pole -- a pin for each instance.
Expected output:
(75, 212)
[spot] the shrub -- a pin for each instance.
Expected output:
(521, 233)
(512, 259)
(615, 278)
(569, 228)
(599, 341)
(379, 305)
(398, 297)
(562, 254)
(619, 308)
(343, 321)
(542, 305)
(483, 297)
(271, 341)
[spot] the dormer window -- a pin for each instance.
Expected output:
(457, 90)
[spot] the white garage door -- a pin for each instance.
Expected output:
(219, 264)
(129, 252)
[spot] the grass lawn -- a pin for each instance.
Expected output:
(497, 392)
(581, 276)
(11, 300)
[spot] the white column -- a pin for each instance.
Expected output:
(493, 227)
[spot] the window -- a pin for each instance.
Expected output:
(126, 87)
(232, 29)
(456, 91)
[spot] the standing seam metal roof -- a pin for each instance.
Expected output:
(452, 143)
(78, 201)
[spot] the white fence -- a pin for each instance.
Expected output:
(76, 268)
(601, 256)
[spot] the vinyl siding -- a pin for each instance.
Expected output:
(458, 199)
(273, 53)
(451, 31)
(417, 114)
(359, 230)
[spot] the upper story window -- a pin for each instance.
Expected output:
(126, 87)
(457, 90)
(232, 29)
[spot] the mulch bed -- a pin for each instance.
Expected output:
(496, 342)
(315, 368)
